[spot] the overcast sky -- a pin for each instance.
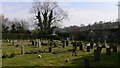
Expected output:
(78, 12)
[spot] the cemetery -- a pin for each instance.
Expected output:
(41, 42)
(24, 53)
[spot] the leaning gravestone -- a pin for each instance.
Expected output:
(22, 49)
(108, 51)
(96, 55)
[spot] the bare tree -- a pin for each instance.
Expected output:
(48, 15)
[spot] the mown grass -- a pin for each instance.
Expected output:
(49, 59)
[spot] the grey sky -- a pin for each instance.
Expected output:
(79, 12)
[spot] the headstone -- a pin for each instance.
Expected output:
(88, 48)
(50, 43)
(63, 43)
(32, 42)
(96, 55)
(55, 44)
(108, 51)
(99, 49)
(91, 44)
(87, 63)
(50, 49)
(97, 44)
(115, 48)
(67, 43)
(104, 44)
(74, 49)
(22, 49)
(81, 46)
(38, 43)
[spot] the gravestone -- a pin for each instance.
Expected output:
(67, 43)
(50, 49)
(74, 49)
(88, 48)
(97, 44)
(91, 44)
(99, 49)
(104, 44)
(55, 44)
(115, 48)
(38, 43)
(22, 49)
(63, 43)
(81, 46)
(87, 63)
(51, 43)
(108, 51)
(32, 42)
(96, 55)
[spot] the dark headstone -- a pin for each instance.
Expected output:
(88, 48)
(67, 43)
(99, 49)
(108, 51)
(114, 48)
(63, 43)
(104, 44)
(32, 42)
(97, 44)
(50, 49)
(91, 45)
(81, 46)
(55, 44)
(22, 50)
(87, 63)
(96, 55)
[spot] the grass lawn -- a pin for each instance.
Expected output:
(49, 59)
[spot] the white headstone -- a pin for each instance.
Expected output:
(38, 45)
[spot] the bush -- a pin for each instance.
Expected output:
(8, 55)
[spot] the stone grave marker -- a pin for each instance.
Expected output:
(96, 55)
(50, 49)
(67, 42)
(38, 43)
(88, 48)
(108, 51)
(91, 44)
(99, 49)
(81, 47)
(104, 44)
(33, 43)
(115, 48)
(22, 49)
